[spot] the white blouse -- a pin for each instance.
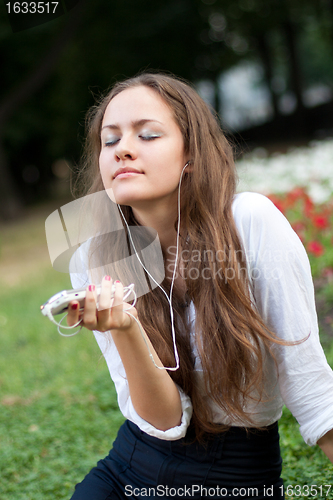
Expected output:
(284, 296)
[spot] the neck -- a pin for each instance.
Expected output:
(163, 221)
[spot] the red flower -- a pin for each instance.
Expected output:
(316, 248)
(308, 208)
(296, 194)
(320, 221)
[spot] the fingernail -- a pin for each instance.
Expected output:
(91, 288)
(117, 281)
(74, 306)
(108, 278)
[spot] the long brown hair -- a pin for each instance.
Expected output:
(230, 336)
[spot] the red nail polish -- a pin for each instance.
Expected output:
(74, 306)
(117, 281)
(108, 278)
(91, 288)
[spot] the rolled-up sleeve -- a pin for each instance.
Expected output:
(284, 296)
(118, 375)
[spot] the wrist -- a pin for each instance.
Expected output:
(129, 327)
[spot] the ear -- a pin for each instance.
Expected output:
(189, 166)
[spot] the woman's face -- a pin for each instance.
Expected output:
(142, 151)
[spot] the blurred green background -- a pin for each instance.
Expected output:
(265, 66)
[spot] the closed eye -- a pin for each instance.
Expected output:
(111, 143)
(149, 137)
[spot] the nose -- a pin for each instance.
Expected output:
(125, 149)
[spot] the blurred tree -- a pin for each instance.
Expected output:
(16, 96)
(123, 38)
(275, 32)
(195, 39)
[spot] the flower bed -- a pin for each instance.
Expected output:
(300, 184)
(313, 222)
(280, 173)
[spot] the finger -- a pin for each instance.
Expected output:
(117, 315)
(118, 296)
(119, 319)
(73, 313)
(105, 295)
(105, 303)
(90, 308)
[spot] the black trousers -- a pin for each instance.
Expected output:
(233, 464)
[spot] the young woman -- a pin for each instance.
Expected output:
(242, 316)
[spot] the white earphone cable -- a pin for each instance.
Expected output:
(169, 298)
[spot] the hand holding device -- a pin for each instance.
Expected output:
(59, 303)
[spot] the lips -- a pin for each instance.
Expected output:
(126, 170)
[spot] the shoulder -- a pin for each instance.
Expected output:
(259, 222)
(262, 227)
(249, 203)
(256, 211)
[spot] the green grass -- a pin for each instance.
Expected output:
(58, 406)
(59, 414)
(304, 465)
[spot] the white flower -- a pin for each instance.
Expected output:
(310, 167)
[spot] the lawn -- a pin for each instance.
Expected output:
(59, 413)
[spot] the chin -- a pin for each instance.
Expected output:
(125, 200)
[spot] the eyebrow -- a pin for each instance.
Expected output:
(135, 124)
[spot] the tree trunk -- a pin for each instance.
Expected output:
(266, 59)
(294, 65)
(10, 203)
(330, 13)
